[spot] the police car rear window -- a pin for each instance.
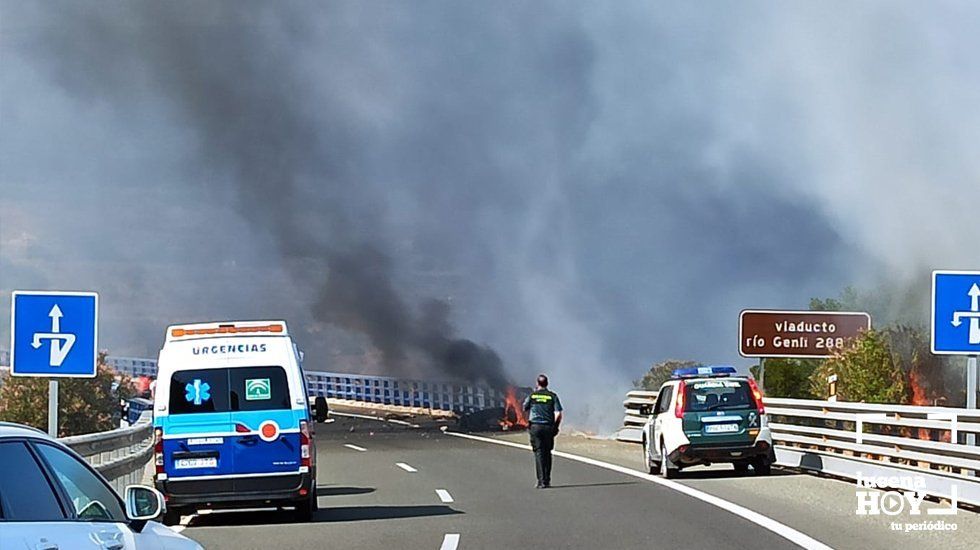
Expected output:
(229, 390)
(717, 395)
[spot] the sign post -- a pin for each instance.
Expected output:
(54, 335)
(971, 383)
(53, 407)
(956, 324)
(762, 374)
(971, 393)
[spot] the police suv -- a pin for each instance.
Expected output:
(704, 415)
(232, 420)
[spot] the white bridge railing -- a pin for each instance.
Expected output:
(850, 440)
(446, 396)
(120, 455)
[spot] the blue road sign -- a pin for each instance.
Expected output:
(54, 334)
(956, 312)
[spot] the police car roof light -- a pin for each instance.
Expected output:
(714, 370)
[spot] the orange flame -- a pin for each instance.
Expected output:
(513, 412)
(920, 397)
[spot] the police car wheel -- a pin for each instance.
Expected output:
(762, 466)
(665, 470)
(652, 465)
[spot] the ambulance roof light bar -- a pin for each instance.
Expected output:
(226, 328)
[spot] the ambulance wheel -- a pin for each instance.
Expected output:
(666, 470)
(762, 466)
(741, 467)
(171, 516)
(307, 507)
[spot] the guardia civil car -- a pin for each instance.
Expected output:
(705, 415)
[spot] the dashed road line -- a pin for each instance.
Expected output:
(406, 467)
(444, 496)
(450, 541)
(355, 447)
(765, 522)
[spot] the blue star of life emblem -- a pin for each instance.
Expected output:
(197, 391)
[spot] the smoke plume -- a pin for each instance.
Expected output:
(486, 191)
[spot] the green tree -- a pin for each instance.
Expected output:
(788, 377)
(866, 372)
(660, 373)
(85, 405)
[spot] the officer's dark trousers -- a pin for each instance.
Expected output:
(542, 443)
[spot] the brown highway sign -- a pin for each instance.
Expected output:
(803, 334)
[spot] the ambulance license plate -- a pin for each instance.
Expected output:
(188, 463)
(720, 428)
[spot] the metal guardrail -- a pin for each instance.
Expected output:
(419, 394)
(863, 440)
(120, 455)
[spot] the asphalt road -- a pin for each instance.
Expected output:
(367, 500)
(821, 507)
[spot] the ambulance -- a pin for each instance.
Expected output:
(232, 421)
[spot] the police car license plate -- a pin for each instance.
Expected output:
(720, 428)
(187, 463)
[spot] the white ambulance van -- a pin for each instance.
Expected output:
(232, 420)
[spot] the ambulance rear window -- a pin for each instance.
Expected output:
(258, 389)
(229, 390)
(199, 391)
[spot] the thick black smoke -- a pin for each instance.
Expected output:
(291, 160)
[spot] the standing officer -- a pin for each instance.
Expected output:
(544, 417)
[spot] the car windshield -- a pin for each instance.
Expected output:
(709, 395)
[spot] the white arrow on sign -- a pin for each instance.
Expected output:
(58, 352)
(973, 315)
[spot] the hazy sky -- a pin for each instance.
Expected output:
(585, 188)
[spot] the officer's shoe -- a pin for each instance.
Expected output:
(540, 485)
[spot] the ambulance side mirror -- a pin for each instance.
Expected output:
(320, 410)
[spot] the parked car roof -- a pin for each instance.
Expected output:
(10, 429)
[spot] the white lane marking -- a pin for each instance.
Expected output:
(776, 527)
(444, 495)
(402, 423)
(377, 418)
(406, 467)
(184, 522)
(450, 541)
(355, 447)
